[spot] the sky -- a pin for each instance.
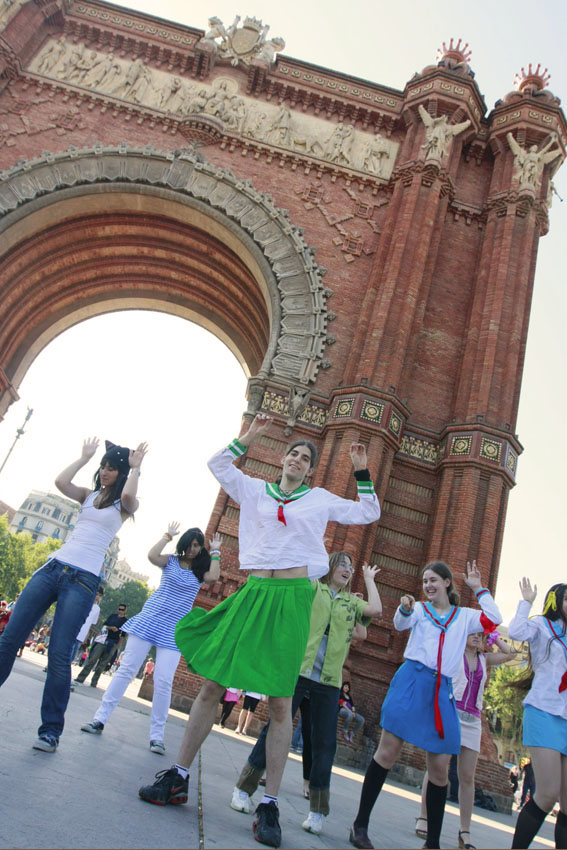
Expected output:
(135, 376)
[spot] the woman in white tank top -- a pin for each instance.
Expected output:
(71, 577)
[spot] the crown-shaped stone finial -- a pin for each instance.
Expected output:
(253, 24)
(456, 51)
(535, 78)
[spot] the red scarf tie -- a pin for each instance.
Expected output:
(563, 682)
(438, 719)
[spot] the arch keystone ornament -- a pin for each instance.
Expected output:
(293, 281)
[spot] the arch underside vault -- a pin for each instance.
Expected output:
(94, 230)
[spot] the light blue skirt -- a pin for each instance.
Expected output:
(542, 729)
(409, 709)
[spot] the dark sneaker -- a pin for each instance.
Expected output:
(157, 747)
(47, 743)
(169, 787)
(95, 727)
(267, 825)
(359, 838)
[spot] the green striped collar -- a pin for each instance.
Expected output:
(274, 491)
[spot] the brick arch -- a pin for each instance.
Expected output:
(99, 229)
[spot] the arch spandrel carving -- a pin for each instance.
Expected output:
(290, 279)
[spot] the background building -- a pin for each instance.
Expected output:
(45, 515)
(121, 572)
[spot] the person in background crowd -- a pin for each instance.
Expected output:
(349, 714)
(92, 620)
(102, 653)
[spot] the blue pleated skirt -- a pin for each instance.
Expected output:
(409, 709)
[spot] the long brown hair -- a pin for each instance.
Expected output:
(444, 571)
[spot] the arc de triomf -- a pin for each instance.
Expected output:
(368, 255)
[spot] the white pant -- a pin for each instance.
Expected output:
(164, 671)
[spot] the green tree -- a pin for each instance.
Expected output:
(20, 557)
(132, 593)
(505, 702)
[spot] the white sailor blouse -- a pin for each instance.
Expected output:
(279, 532)
(548, 650)
(435, 639)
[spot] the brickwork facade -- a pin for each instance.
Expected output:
(153, 165)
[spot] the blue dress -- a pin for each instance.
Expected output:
(172, 600)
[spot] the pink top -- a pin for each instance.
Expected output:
(470, 696)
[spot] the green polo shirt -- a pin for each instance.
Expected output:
(340, 613)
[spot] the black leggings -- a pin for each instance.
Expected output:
(226, 711)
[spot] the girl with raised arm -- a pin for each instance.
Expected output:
(281, 531)
(469, 685)
(71, 576)
(420, 705)
(545, 709)
(183, 575)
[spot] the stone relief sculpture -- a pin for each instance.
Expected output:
(52, 55)
(376, 155)
(529, 164)
(269, 49)
(439, 134)
(264, 122)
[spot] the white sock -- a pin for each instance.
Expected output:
(183, 771)
(267, 798)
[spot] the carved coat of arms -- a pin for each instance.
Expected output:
(241, 44)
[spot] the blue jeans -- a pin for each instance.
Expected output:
(324, 704)
(74, 591)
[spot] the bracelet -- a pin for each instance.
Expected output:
(136, 469)
(215, 558)
(214, 552)
(168, 535)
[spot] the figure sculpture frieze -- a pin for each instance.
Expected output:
(134, 81)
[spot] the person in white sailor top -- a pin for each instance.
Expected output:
(545, 709)
(420, 705)
(266, 621)
(72, 575)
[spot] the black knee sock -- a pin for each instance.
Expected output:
(527, 826)
(435, 798)
(373, 781)
(561, 831)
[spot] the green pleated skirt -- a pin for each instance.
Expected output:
(255, 639)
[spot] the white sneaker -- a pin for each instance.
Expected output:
(314, 823)
(241, 801)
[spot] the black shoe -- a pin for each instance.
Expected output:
(359, 838)
(95, 727)
(169, 787)
(267, 825)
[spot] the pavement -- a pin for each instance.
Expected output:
(85, 794)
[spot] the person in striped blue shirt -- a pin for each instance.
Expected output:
(183, 575)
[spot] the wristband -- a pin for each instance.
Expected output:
(214, 552)
(136, 469)
(215, 558)
(362, 475)
(168, 535)
(404, 612)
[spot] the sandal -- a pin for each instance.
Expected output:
(464, 845)
(420, 831)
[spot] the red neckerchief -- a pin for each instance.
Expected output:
(443, 627)
(273, 490)
(560, 638)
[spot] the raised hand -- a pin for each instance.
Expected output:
(472, 576)
(529, 593)
(173, 529)
(136, 456)
(408, 602)
(216, 541)
(90, 445)
(259, 424)
(369, 572)
(358, 456)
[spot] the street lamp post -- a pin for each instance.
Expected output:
(19, 433)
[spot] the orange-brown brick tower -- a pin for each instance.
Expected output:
(147, 164)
